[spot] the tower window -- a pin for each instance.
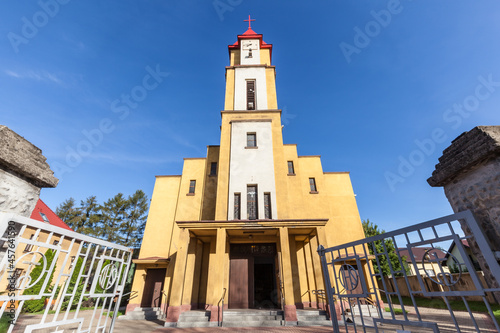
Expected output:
(312, 185)
(267, 206)
(251, 140)
(250, 94)
(237, 206)
(252, 202)
(192, 186)
(291, 170)
(213, 169)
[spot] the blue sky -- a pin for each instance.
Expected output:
(377, 88)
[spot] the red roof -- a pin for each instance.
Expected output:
(53, 219)
(419, 252)
(250, 34)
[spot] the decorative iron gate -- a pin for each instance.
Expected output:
(436, 270)
(75, 281)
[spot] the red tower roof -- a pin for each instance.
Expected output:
(250, 34)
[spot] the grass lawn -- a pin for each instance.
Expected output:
(436, 303)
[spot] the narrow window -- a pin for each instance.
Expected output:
(237, 206)
(192, 185)
(267, 205)
(213, 169)
(250, 94)
(252, 202)
(55, 242)
(251, 140)
(291, 170)
(29, 246)
(312, 184)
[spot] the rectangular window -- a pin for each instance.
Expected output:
(192, 185)
(237, 206)
(213, 168)
(291, 170)
(252, 202)
(250, 94)
(312, 184)
(55, 242)
(29, 246)
(251, 140)
(267, 205)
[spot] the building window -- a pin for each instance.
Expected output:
(237, 206)
(29, 246)
(251, 140)
(44, 217)
(250, 94)
(312, 185)
(55, 242)
(252, 209)
(291, 170)
(192, 186)
(267, 206)
(213, 169)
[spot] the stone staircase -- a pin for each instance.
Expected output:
(366, 309)
(312, 318)
(144, 313)
(194, 318)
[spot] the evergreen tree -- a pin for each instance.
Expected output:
(114, 213)
(69, 214)
(133, 227)
(370, 230)
(84, 219)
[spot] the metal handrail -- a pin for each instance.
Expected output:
(134, 292)
(221, 300)
(321, 293)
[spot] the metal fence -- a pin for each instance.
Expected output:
(364, 280)
(55, 280)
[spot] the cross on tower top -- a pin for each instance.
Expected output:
(249, 22)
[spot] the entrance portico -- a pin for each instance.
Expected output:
(260, 264)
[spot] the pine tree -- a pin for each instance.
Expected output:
(370, 230)
(114, 212)
(133, 227)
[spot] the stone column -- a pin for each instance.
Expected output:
(23, 172)
(469, 172)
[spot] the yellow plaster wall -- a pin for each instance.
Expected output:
(161, 217)
(229, 98)
(265, 57)
(210, 189)
(272, 100)
(234, 57)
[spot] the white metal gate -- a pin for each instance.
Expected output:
(78, 279)
(436, 269)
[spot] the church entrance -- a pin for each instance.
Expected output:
(253, 276)
(152, 288)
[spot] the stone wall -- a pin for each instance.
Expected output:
(469, 172)
(23, 172)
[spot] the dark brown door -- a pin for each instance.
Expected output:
(153, 287)
(238, 284)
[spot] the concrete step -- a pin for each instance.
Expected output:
(251, 318)
(253, 323)
(315, 323)
(311, 318)
(144, 314)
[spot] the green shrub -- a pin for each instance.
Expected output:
(39, 304)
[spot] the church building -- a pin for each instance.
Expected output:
(241, 226)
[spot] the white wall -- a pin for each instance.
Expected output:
(240, 87)
(255, 59)
(251, 166)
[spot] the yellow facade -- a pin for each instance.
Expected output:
(192, 240)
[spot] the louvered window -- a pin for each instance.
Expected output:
(250, 94)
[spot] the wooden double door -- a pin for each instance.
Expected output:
(253, 276)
